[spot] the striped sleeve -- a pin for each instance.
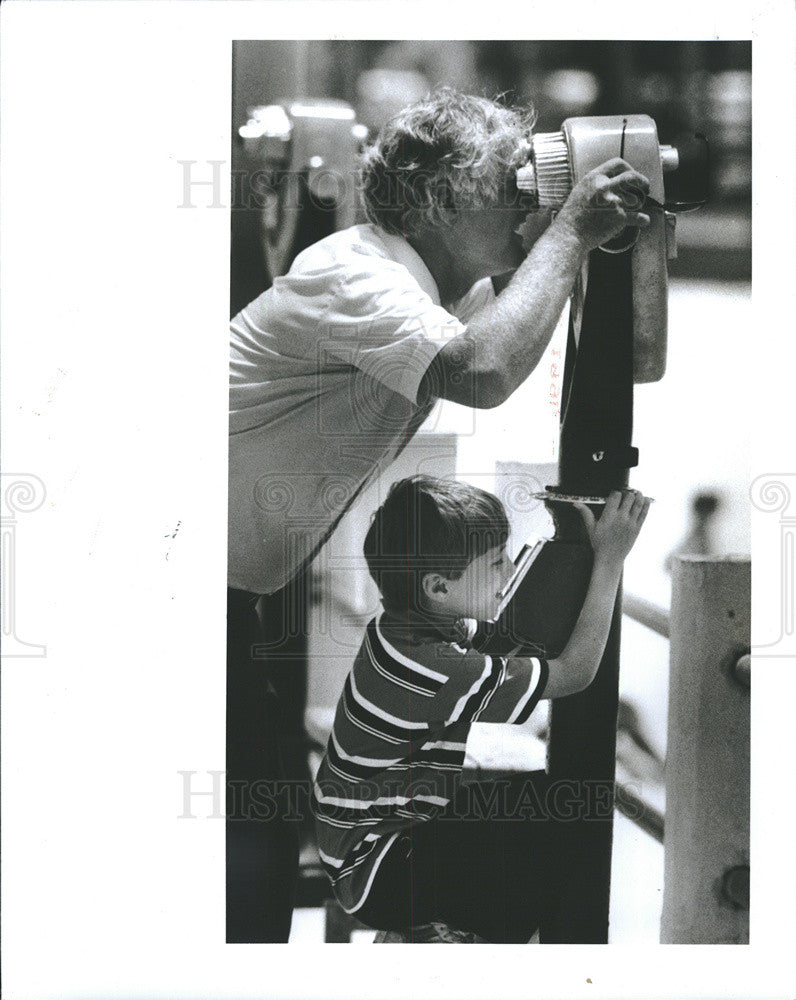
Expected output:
(521, 687)
(481, 688)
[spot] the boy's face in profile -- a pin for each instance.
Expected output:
(476, 593)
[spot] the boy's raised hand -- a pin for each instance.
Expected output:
(613, 535)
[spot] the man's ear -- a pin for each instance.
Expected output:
(434, 587)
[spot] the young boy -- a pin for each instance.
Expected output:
(398, 833)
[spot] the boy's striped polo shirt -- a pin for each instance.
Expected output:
(397, 746)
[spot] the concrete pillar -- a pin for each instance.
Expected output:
(706, 840)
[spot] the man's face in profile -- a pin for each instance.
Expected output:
(489, 235)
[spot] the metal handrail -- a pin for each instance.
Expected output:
(653, 616)
(636, 808)
(630, 804)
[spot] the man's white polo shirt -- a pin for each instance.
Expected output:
(325, 370)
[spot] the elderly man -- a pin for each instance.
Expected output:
(337, 365)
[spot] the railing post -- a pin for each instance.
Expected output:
(706, 840)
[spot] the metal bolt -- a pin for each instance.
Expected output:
(741, 670)
(735, 886)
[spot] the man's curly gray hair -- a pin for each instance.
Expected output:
(448, 152)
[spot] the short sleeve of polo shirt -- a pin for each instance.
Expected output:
(481, 688)
(381, 322)
(362, 310)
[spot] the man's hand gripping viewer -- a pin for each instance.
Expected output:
(560, 165)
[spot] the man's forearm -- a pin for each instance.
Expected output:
(518, 325)
(505, 341)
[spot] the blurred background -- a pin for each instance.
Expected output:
(684, 86)
(692, 428)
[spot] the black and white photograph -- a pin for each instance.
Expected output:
(404, 243)
(391, 422)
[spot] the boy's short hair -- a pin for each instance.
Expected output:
(429, 525)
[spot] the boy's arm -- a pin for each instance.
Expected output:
(612, 538)
(575, 668)
(481, 688)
